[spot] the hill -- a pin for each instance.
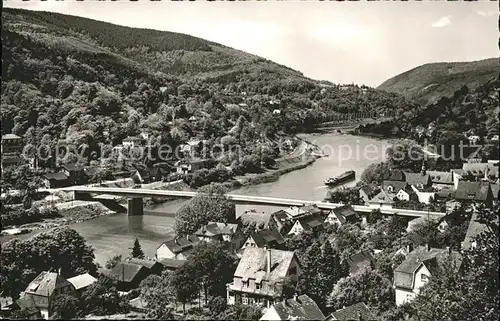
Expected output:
(89, 82)
(430, 82)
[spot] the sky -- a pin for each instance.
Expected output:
(343, 42)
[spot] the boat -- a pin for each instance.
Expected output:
(332, 181)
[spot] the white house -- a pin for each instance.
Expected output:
(309, 223)
(414, 272)
(474, 139)
(299, 308)
(178, 248)
(423, 197)
(381, 200)
(132, 141)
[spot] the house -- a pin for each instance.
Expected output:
(393, 186)
(474, 229)
(260, 276)
(309, 224)
(415, 271)
(185, 166)
(82, 282)
(341, 215)
(295, 212)
(359, 261)
(475, 192)
(171, 264)
(178, 248)
(421, 221)
(495, 190)
(423, 195)
(406, 194)
(358, 311)
(367, 192)
(153, 266)
(282, 221)
(269, 238)
(192, 147)
(258, 220)
(299, 308)
(441, 179)
(420, 180)
(481, 170)
(157, 173)
(458, 174)
(132, 141)
(221, 232)
(55, 180)
(27, 304)
(129, 275)
(41, 292)
(381, 200)
(74, 173)
(12, 147)
(473, 139)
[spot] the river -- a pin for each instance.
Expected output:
(115, 234)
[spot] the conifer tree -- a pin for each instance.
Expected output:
(137, 251)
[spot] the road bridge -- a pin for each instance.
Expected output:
(135, 196)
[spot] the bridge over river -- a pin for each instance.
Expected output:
(135, 196)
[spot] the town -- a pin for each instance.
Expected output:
(223, 186)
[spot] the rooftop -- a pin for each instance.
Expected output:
(267, 237)
(82, 281)
(382, 198)
(59, 176)
(216, 228)
(358, 311)
(10, 136)
(477, 191)
(182, 244)
(125, 272)
(299, 308)
(46, 283)
(417, 178)
(441, 177)
(358, 260)
(253, 264)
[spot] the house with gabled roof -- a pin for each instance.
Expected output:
(415, 271)
(55, 180)
(342, 215)
(381, 200)
(358, 311)
(481, 170)
(153, 266)
(308, 223)
(440, 179)
(43, 289)
(178, 248)
(367, 192)
(216, 231)
(260, 276)
(128, 275)
(420, 180)
(474, 192)
(300, 307)
(259, 220)
(392, 187)
(269, 238)
(359, 261)
(474, 229)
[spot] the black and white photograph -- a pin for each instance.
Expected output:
(250, 160)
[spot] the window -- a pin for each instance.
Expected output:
(423, 277)
(245, 284)
(244, 300)
(292, 270)
(257, 286)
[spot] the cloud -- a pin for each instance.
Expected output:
(487, 13)
(442, 22)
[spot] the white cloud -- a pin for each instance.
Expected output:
(487, 13)
(442, 22)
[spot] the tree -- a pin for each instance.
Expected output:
(345, 196)
(367, 286)
(61, 248)
(157, 291)
(137, 251)
(111, 263)
(375, 173)
(65, 306)
(405, 155)
(102, 298)
(186, 287)
(210, 205)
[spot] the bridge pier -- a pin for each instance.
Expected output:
(82, 196)
(135, 206)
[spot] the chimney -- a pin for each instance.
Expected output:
(448, 249)
(428, 246)
(409, 247)
(268, 259)
(296, 298)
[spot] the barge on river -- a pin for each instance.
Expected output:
(333, 181)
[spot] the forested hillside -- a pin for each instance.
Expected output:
(430, 82)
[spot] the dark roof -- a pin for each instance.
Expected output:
(46, 283)
(182, 244)
(299, 308)
(72, 167)
(495, 190)
(439, 177)
(215, 228)
(172, 263)
(417, 178)
(267, 237)
(149, 264)
(475, 228)
(396, 175)
(370, 190)
(345, 211)
(396, 185)
(477, 191)
(27, 303)
(430, 257)
(382, 198)
(358, 260)
(353, 312)
(59, 176)
(126, 272)
(310, 223)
